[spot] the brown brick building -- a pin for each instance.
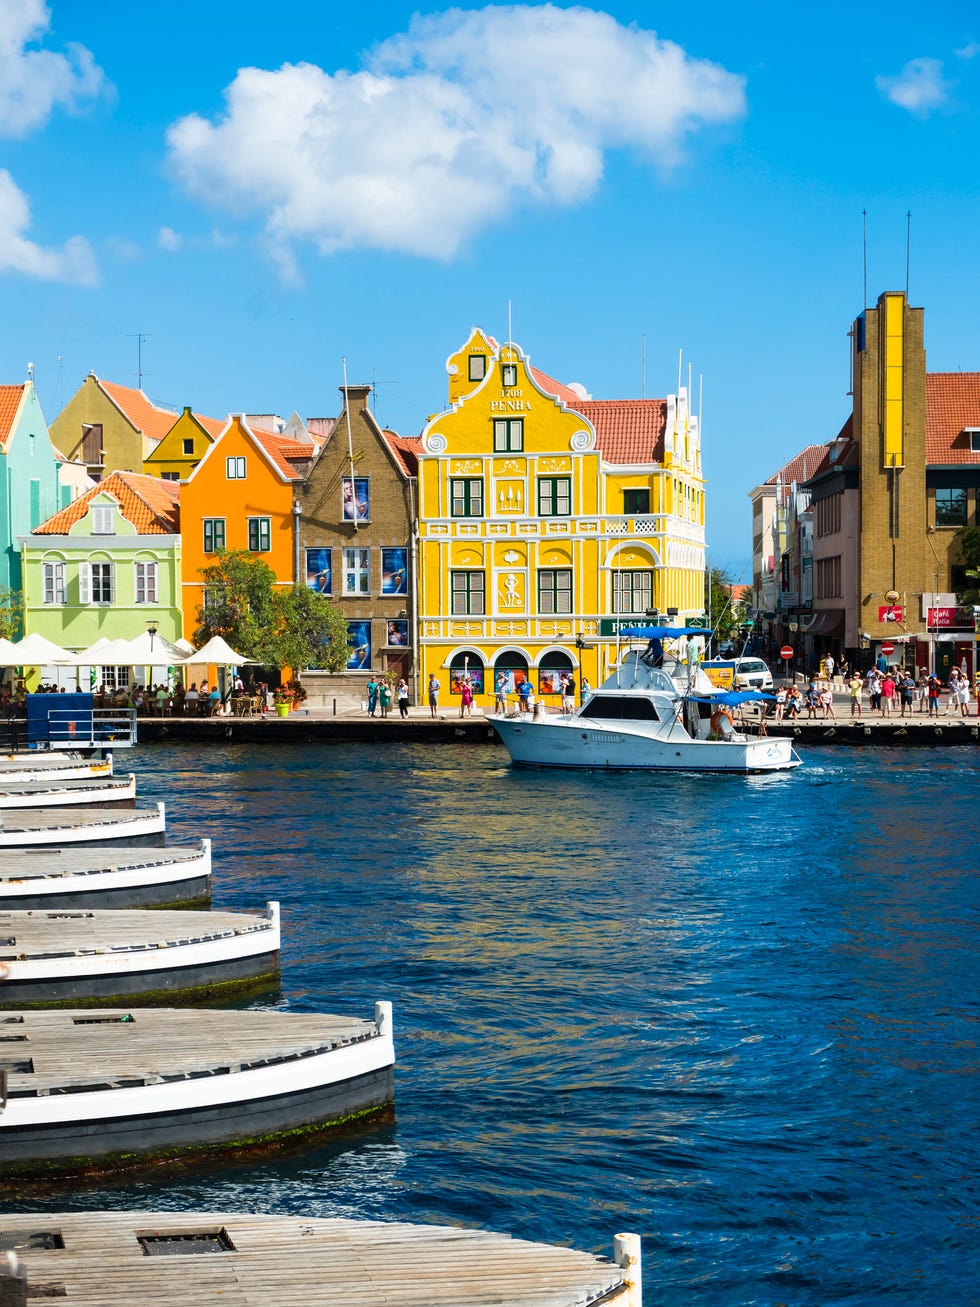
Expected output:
(357, 532)
(889, 498)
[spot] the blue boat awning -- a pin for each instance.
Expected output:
(735, 697)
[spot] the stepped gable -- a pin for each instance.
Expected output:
(144, 415)
(952, 404)
(150, 504)
(10, 401)
(627, 430)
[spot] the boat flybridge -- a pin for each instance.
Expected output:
(657, 710)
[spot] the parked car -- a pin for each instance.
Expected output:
(739, 673)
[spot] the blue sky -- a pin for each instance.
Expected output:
(265, 191)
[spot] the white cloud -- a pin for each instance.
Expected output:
(919, 87)
(32, 82)
(74, 262)
(168, 239)
(448, 128)
(968, 51)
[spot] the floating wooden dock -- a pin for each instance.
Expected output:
(59, 792)
(62, 958)
(110, 877)
(60, 826)
(85, 1092)
(189, 1259)
(35, 765)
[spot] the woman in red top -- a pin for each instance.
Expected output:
(887, 694)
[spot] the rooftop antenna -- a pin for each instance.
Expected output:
(908, 248)
(643, 366)
(350, 442)
(510, 328)
(140, 337)
(680, 369)
(30, 373)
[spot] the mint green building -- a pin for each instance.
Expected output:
(29, 487)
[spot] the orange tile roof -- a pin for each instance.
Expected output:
(289, 456)
(10, 398)
(213, 426)
(627, 430)
(150, 504)
(952, 403)
(406, 450)
(145, 416)
(552, 387)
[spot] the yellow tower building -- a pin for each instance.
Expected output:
(547, 521)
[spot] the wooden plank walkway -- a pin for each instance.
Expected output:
(188, 1259)
(70, 1048)
(40, 864)
(29, 936)
(54, 791)
(37, 827)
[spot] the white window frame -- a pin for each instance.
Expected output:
(103, 520)
(357, 571)
(86, 584)
(54, 583)
(236, 468)
(145, 582)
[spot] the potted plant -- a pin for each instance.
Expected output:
(283, 701)
(299, 695)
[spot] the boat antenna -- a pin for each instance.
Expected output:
(350, 442)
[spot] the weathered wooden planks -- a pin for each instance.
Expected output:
(102, 1257)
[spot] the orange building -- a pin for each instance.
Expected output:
(241, 496)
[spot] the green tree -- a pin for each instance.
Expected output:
(238, 604)
(309, 631)
(969, 545)
(11, 613)
(724, 615)
(275, 626)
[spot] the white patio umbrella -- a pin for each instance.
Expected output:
(220, 653)
(154, 651)
(38, 651)
(7, 658)
(106, 653)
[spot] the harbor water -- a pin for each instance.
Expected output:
(737, 1016)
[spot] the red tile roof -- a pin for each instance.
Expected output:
(952, 403)
(152, 505)
(10, 399)
(800, 468)
(627, 430)
(290, 457)
(552, 387)
(145, 416)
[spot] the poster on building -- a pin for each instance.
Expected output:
(394, 571)
(356, 499)
(891, 613)
(472, 672)
(319, 571)
(398, 634)
(359, 640)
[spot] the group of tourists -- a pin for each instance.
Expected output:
(382, 691)
(889, 691)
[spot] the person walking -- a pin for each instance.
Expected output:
(933, 696)
(434, 688)
(372, 693)
(856, 688)
(827, 702)
(401, 692)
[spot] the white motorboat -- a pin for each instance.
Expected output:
(653, 713)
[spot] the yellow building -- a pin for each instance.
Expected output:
(547, 520)
(182, 448)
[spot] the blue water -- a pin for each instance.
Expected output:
(736, 1016)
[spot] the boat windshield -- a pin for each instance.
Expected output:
(621, 707)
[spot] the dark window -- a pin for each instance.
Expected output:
(467, 496)
(477, 367)
(611, 707)
(636, 501)
(974, 434)
(92, 443)
(214, 534)
(508, 435)
(259, 535)
(555, 590)
(951, 507)
(169, 476)
(469, 593)
(554, 496)
(189, 445)
(101, 580)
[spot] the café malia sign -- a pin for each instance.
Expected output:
(947, 617)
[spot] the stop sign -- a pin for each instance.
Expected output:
(786, 653)
(887, 648)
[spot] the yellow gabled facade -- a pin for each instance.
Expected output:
(546, 520)
(183, 447)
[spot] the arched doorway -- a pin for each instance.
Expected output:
(514, 666)
(554, 666)
(466, 664)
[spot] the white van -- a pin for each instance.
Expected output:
(738, 673)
